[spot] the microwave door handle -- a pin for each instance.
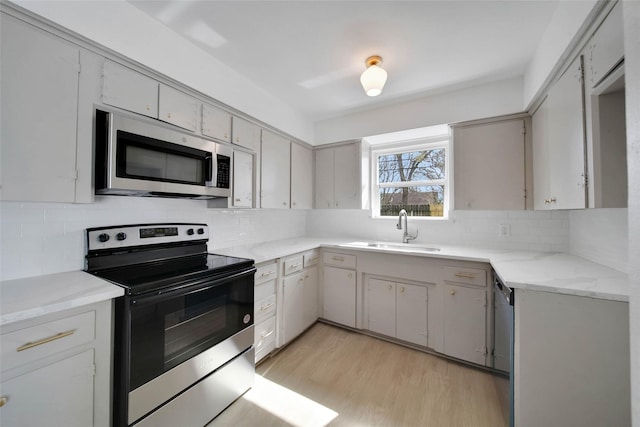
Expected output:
(212, 167)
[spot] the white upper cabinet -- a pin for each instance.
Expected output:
(178, 108)
(246, 134)
(216, 123)
(337, 177)
(559, 145)
(275, 168)
(242, 179)
(301, 177)
(489, 165)
(39, 104)
(606, 48)
(129, 90)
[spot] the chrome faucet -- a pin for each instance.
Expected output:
(406, 236)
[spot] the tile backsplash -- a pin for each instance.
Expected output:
(45, 238)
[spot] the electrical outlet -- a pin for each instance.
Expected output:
(504, 230)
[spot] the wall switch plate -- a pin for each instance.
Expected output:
(504, 230)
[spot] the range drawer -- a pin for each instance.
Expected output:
(265, 338)
(266, 272)
(265, 308)
(30, 344)
(339, 260)
(292, 265)
(465, 276)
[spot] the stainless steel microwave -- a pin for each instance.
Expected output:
(135, 157)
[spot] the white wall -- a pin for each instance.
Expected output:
(631, 13)
(530, 230)
(492, 99)
(123, 28)
(45, 238)
(561, 31)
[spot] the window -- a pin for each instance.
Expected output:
(412, 177)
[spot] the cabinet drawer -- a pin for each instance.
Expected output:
(265, 337)
(466, 276)
(266, 272)
(29, 344)
(263, 290)
(339, 260)
(264, 308)
(292, 265)
(311, 258)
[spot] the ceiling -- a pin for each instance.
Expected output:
(310, 54)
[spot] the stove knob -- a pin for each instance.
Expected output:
(121, 236)
(200, 230)
(190, 232)
(104, 237)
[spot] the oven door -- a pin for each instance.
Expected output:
(178, 338)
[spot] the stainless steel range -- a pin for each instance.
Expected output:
(183, 341)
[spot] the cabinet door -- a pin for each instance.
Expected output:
(497, 182)
(275, 171)
(310, 296)
(411, 309)
(606, 48)
(324, 179)
(381, 298)
(60, 394)
(301, 177)
(39, 105)
(216, 123)
(246, 134)
(242, 179)
(346, 176)
(293, 306)
(178, 108)
(541, 158)
(465, 323)
(339, 290)
(129, 90)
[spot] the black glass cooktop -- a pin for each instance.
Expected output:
(159, 276)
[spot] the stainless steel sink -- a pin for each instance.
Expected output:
(396, 247)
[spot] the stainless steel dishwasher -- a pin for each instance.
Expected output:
(503, 317)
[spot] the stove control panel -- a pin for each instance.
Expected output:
(122, 236)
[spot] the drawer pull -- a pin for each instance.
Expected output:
(267, 334)
(266, 307)
(465, 275)
(452, 291)
(313, 259)
(29, 345)
(3, 401)
(267, 273)
(295, 265)
(337, 258)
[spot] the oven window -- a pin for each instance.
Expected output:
(171, 330)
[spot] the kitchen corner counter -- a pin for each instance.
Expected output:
(22, 299)
(540, 271)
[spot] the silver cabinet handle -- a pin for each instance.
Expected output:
(266, 307)
(267, 273)
(295, 265)
(267, 334)
(465, 275)
(29, 345)
(337, 258)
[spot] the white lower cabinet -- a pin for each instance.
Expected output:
(397, 310)
(339, 295)
(299, 294)
(465, 323)
(310, 296)
(293, 324)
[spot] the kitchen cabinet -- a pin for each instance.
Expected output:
(39, 103)
(300, 294)
(245, 134)
(339, 288)
(56, 369)
(242, 179)
(265, 296)
(559, 145)
(293, 323)
(498, 181)
(465, 314)
(397, 310)
(310, 296)
(275, 172)
(129, 90)
(605, 49)
(337, 177)
(178, 108)
(301, 177)
(216, 123)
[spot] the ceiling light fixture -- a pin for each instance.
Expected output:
(374, 77)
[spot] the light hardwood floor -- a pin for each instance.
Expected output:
(331, 376)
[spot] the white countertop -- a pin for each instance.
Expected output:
(22, 299)
(541, 271)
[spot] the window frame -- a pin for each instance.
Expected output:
(439, 141)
